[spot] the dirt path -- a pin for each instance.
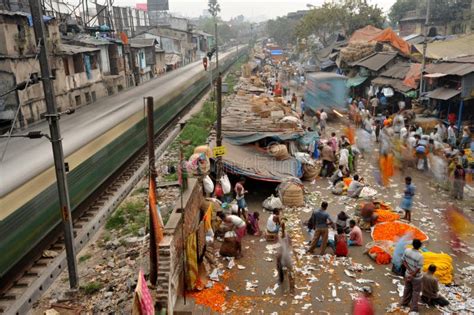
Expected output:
(317, 277)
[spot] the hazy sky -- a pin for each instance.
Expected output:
(253, 8)
(248, 8)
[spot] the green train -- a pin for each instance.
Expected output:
(98, 139)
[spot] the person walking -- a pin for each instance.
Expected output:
(323, 121)
(413, 262)
(459, 182)
(320, 220)
(451, 135)
(430, 289)
(407, 201)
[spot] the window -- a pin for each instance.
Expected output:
(66, 65)
(78, 63)
(21, 32)
(94, 96)
(88, 97)
(78, 100)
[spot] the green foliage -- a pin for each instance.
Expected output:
(128, 218)
(213, 7)
(170, 177)
(197, 128)
(84, 258)
(224, 31)
(440, 11)
(344, 16)
(282, 30)
(92, 287)
(400, 8)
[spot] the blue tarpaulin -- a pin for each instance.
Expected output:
(276, 52)
(241, 138)
(46, 19)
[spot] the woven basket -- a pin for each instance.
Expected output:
(279, 151)
(310, 172)
(292, 195)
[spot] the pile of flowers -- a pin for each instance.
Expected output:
(391, 231)
(386, 216)
(381, 256)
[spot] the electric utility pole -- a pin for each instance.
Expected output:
(425, 44)
(53, 116)
(219, 125)
(214, 9)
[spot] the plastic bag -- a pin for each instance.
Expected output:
(272, 203)
(208, 185)
(420, 165)
(226, 186)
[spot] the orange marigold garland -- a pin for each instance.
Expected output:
(381, 256)
(386, 216)
(391, 231)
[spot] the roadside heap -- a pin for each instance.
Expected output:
(263, 136)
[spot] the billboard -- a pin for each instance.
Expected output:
(158, 5)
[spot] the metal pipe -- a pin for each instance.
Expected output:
(56, 141)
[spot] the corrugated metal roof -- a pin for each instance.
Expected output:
(376, 61)
(142, 42)
(394, 83)
(397, 71)
(465, 59)
(65, 49)
(89, 40)
(450, 68)
(448, 49)
(443, 93)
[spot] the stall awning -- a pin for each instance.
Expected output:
(394, 83)
(435, 75)
(443, 93)
(355, 81)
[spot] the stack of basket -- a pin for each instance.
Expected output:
(291, 194)
(310, 172)
(279, 151)
(358, 50)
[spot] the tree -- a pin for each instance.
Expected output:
(282, 30)
(214, 8)
(400, 8)
(344, 16)
(440, 11)
(322, 22)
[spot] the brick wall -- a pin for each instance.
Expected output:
(171, 251)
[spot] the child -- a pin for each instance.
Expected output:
(341, 249)
(407, 200)
(252, 224)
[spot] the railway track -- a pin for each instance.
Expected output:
(29, 280)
